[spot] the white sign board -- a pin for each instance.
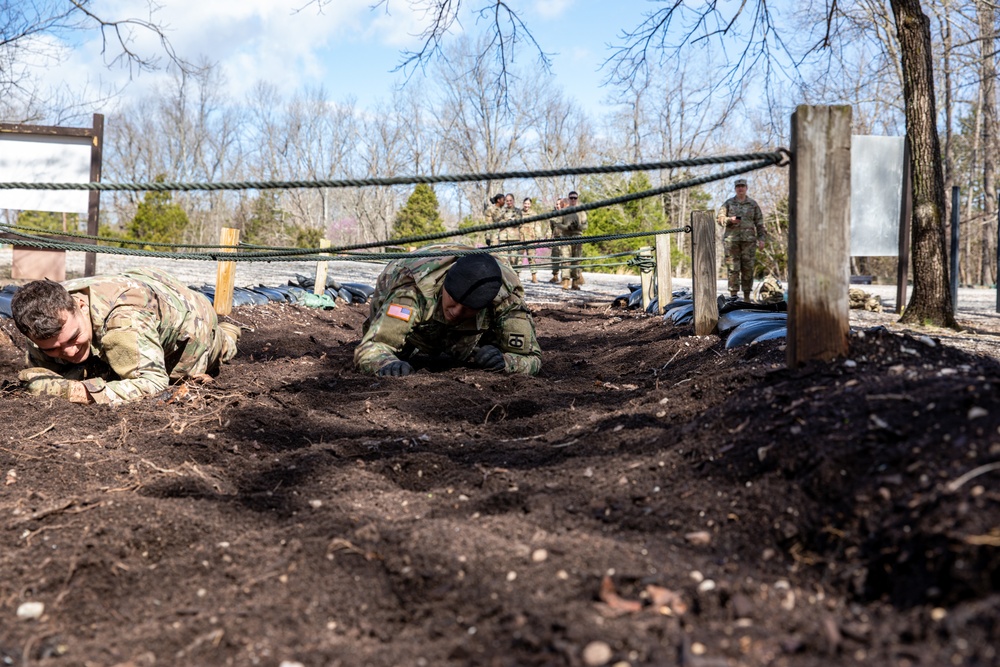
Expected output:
(876, 195)
(33, 158)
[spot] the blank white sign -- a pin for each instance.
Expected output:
(35, 158)
(876, 195)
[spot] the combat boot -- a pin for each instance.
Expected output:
(230, 335)
(577, 282)
(580, 280)
(555, 279)
(566, 283)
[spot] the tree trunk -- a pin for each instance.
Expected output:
(930, 302)
(988, 74)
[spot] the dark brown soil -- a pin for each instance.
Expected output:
(650, 499)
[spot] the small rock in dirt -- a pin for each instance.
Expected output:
(699, 538)
(697, 576)
(850, 363)
(28, 611)
(706, 586)
(927, 340)
(291, 663)
(975, 412)
(596, 654)
(315, 503)
(539, 555)
(512, 575)
(697, 648)
(589, 472)
(937, 613)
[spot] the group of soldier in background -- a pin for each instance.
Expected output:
(565, 257)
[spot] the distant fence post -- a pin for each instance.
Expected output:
(225, 274)
(320, 285)
(664, 287)
(819, 234)
(704, 283)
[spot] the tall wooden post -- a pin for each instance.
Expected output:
(664, 286)
(819, 231)
(94, 199)
(704, 282)
(646, 277)
(225, 274)
(321, 267)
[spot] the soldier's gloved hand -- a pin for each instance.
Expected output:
(44, 382)
(396, 369)
(490, 358)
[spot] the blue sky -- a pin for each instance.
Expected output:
(347, 47)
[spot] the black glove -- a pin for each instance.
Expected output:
(490, 358)
(396, 369)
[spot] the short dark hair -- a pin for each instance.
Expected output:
(497, 197)
(38, 308)
(573, 192)
(526, 199)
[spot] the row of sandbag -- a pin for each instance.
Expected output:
(740, 322)
(633, 299)
(300, 292)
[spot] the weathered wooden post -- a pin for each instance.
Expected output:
(664, 286)
(819, 234)
(320, 286)
(646, 276)
(225, 274)
(704, 283)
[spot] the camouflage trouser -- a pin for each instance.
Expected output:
(558, 252)
(193, 360)
(573, 270)
(740, 256)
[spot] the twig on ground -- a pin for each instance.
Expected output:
(42, 432)
(956, 484)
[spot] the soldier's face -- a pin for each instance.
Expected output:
(72, 343)
(509, 202)
(454, 312)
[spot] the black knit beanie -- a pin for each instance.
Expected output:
(474, 280)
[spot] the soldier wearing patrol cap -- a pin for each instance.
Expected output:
(743, 222)
(111, 339)
(470, 307)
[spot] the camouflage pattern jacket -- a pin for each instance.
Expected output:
(493, 215)
(148, 330)
(750, 228)
(509, 234)
(406, 316)
(574, 224)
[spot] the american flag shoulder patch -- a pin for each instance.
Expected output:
(399, 312)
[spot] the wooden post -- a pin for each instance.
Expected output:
(704, 282)
(94, 199)
(320, 286)
(225, 275)
(819, 231)
(646, 277)
(664, 286)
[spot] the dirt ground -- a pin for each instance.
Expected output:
(649, 499)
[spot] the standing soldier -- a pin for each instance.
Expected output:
(573, 225)
(743, 222)
(529, 232)
(111, 339)
(470, 308)
(558, 251)
(493, 214)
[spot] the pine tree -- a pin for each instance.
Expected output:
(420, 215)
(158, 219)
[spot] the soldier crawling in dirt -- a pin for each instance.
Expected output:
(111, 339)
(469, 307)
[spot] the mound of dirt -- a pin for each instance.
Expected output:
(651, 498)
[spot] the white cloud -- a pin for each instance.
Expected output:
(552, 9)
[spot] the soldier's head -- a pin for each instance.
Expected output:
(573, 197)
(526, 204)
(470, 285)
(57, 322)
(509, 200)
(741, 185)
(498, 199)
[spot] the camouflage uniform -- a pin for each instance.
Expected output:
(740, 240)
(572, 226)
(406, 316)
(529, 232)
(148, 330)
(558, 251)
(493, 215)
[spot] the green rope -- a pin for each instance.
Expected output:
(777, 157)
